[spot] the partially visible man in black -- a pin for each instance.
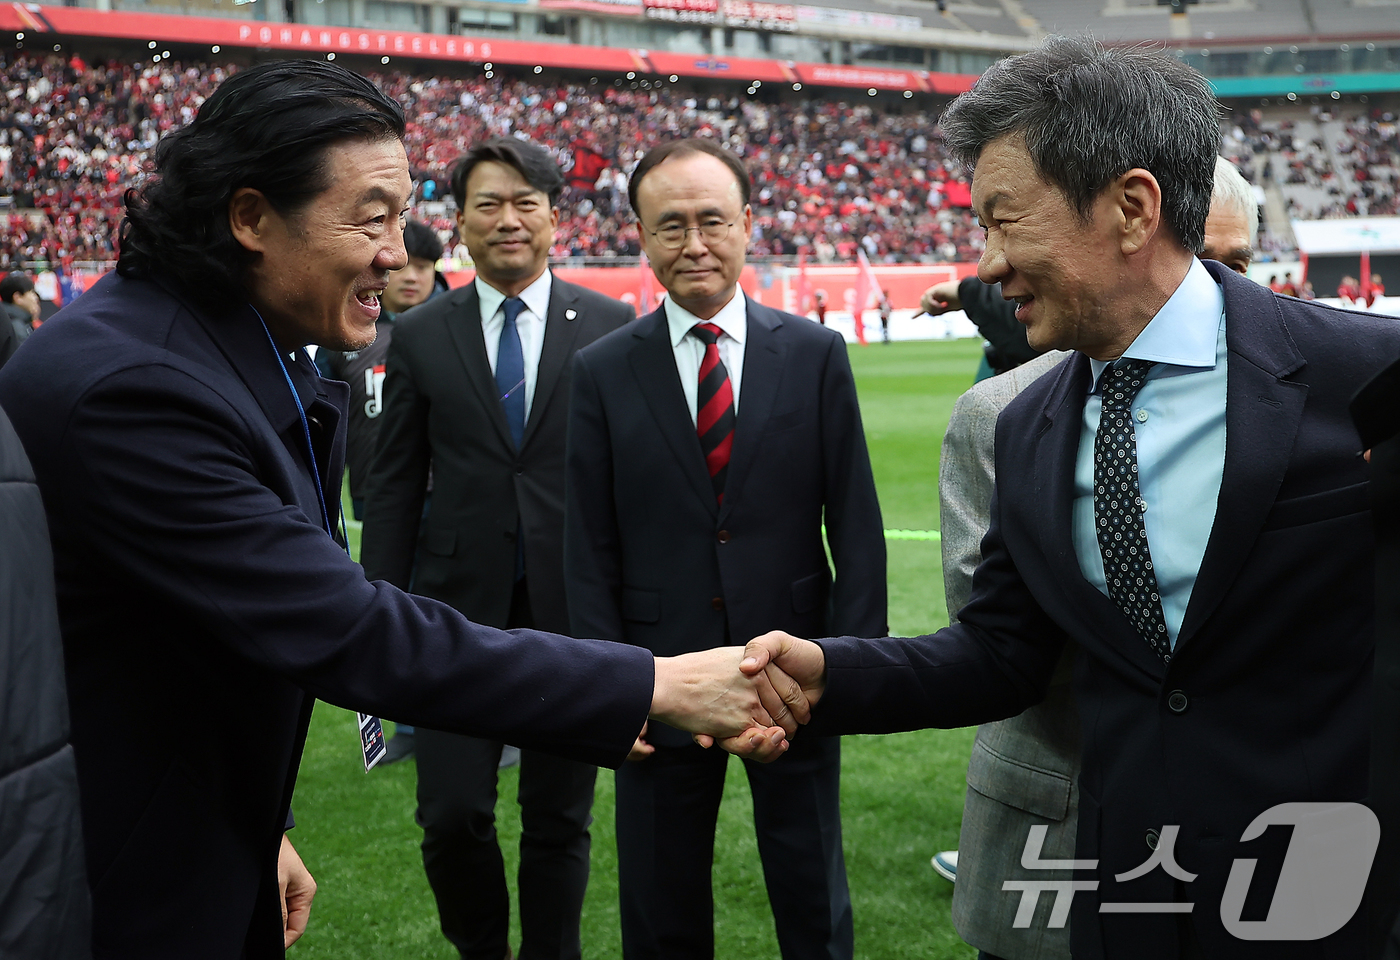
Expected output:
(19, 302)
(189, 461)
(493, 538)
(44, 906)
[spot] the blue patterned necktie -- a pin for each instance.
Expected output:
(510, 370)
(1118, 506)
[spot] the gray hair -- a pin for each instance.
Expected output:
(1233, 190)
(1089, 114)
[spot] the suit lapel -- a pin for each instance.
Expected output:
(560, 334)
(762, 372)
(653, 363)
(464, 326)
(1262, 415)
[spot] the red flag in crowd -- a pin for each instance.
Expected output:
(867, 288)
(587, 166)
(957, 194)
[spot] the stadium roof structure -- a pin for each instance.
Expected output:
(1218, 21)
(39, 21)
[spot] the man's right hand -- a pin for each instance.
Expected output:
(940, 298)
(796, 671)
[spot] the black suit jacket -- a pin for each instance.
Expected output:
(653, 560)
(441, 409)
(1273, 663)
(203, 607)
(1376, 411)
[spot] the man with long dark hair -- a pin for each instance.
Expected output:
(189, 459)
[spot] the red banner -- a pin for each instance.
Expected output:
(83, 22)
(587, 166)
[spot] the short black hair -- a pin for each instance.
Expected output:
(269, 128)
(679, 148)
(13, 284)
(421, 242)
(1089, 114)
(531, 160)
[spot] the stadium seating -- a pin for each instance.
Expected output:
(828, 174)
(74, 136)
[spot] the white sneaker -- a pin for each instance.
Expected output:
(946, 865)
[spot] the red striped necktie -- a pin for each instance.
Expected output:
(714, 416)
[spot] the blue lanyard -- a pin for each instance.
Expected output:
(306, 433)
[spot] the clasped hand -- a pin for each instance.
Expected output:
(748, 701)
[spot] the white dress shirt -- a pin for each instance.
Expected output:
(530, 324)
(733, 321)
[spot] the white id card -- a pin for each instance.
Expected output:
(371, 739)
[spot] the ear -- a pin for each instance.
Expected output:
(250, 218)
(748, 224)
(1138, 197)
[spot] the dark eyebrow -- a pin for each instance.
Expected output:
(518, 195)
(989, 205)
(671, 216)
(381, 195)
(1238, 253)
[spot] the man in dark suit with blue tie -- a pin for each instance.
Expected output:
(477, 388)
(1184, 497)
(708, 444)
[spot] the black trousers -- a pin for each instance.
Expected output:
(457, 811)
(666, 811)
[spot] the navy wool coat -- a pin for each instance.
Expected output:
(204, 607)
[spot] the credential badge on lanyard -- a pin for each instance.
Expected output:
(371, 730)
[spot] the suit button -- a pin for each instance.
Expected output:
(510, 535)
(723, 536)
(520, 471)
(1177, 702)
(717, 603)
(1152, 837)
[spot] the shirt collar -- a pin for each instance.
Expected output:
(1185, 331)
(733, 319)
(536, 296)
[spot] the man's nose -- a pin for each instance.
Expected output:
(509, 219)
(392, 255)
(694, 246)
(991, 266)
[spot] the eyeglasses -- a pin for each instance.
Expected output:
(673, 236)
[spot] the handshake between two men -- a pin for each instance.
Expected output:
(750, 709)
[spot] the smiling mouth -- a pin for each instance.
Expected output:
(1022, 303)
(370, 298)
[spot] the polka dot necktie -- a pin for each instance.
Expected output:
(1118, 507)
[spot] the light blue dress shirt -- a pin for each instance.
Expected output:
(1179, 419)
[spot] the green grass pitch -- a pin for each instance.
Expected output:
(901, 795)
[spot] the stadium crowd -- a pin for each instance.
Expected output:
(828, 175)
(74, 135)
(1329, 166)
